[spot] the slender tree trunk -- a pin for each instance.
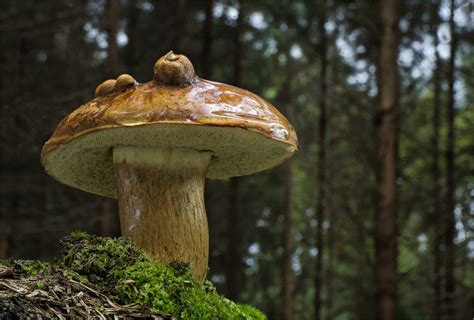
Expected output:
(233, 271)
(107, 218)
(111, 24)
(286, 98)
(332, 218)
(206, 52)
(107, 214)
(287, 272)
(386, 142)
(437, 212)
(238, 48)
(179, 25)
(449, 232)
(266, 280)
(321, 169)
(330, 271)
(5, 241)
(131, 57)
(234, 260)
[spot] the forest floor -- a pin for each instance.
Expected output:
(104, 278)
(26, 295)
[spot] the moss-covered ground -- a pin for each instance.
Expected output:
(100, 276)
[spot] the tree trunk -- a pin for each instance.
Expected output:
(449, 232)
(5, 241)
(233, 270)
(330, 271)
(111, 22)
(206, 52)
(437, 212)
(386, 143)
(287, 277)
(321, 168)
(286, 98)
(332, 217)
(131, 57)
(179, 25)
(107, 214)
(107, 217)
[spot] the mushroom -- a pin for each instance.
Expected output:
(105, 88)
(152, 146)
(124, 82)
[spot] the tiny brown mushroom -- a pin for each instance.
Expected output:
(153, 149)
(124, 81)
(105, 88)
(174, 69)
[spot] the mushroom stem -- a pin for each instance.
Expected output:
(161, 201)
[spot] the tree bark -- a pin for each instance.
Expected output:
(179, 25)
(286, 98)
(321, 169)
(449, 232)
(5, 241)
(206, 52)
(233, 270)
(287, 272)
(386, 143)
(107, 215)
(437, 212)
(238, 51)
(332, 217)
(131, 57)
(111, 24)
(330, 270)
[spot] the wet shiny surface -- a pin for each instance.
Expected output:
(202, 103)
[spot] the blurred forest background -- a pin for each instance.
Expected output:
(373, 218)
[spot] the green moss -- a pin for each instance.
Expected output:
(168, 290)
(97, 259)
(73, 275)
(79, 235)
(31, 267)
(173, 292)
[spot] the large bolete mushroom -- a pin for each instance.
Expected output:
(152, 145)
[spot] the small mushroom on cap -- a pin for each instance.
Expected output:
(153, 146)
(124, 82)
(105, 88)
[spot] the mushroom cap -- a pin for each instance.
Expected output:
(244, 133)
(105, 88)
(123, 82)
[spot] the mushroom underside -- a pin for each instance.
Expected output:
(86, 162)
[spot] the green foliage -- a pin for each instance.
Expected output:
(171, 291)
(97, 259)
(31, 267)
(7, 262)
(72, 275)
(79, 235)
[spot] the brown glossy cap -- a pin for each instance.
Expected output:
(245, 133)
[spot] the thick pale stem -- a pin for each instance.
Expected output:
(161, 202)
